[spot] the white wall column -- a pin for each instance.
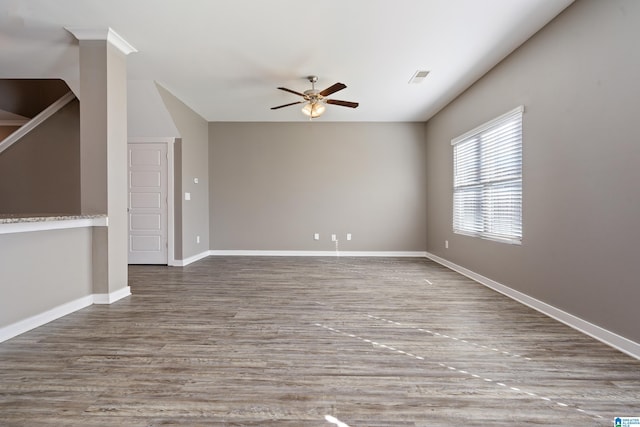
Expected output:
(103, 149)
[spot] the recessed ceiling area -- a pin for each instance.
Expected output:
(226, 58)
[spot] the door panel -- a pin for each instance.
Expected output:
(145, 179)
(145, 222)
(147, 203)
(145, 243)
(145, 200)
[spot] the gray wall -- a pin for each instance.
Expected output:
(578, 80)
(41, 172)
(193, 155)
(146, 113)
(42, 270)
(275, 184)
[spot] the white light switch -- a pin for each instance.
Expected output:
(316, 236)
(348, 236)
(195, 180)
(187, 196)
(333, 238)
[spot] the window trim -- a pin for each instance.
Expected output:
(464, 137)
(487, 125)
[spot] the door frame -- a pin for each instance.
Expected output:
(169, 141)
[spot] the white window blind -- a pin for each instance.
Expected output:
(487, 181)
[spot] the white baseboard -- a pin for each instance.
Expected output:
(62, 310)
(388, 254)
(32, 322)
(112, 297)
(192, 259)
(612, 339)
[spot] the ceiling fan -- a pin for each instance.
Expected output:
(315, 100)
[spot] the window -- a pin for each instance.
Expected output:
(487, 179)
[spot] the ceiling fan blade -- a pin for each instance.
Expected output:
(333, 89)
(342, 103)
(291, 91)
(287, 105)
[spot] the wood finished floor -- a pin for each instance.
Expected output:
(287, 341)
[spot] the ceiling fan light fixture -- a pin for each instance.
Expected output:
(313, 109)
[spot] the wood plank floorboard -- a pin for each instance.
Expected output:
(260, 341)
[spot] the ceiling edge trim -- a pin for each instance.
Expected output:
(102, 34)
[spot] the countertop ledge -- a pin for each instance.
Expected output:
(14, 218)
(17, 223)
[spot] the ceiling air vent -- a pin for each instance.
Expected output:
(419, 76)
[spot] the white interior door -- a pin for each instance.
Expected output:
(148, 203)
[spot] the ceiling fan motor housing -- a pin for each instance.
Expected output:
(313, 95)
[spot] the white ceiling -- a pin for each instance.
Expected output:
(225, 58)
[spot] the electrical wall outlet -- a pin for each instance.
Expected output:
(316, 236)
(333, 238)
(348, 236)
(197, 239)
(446, 244)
